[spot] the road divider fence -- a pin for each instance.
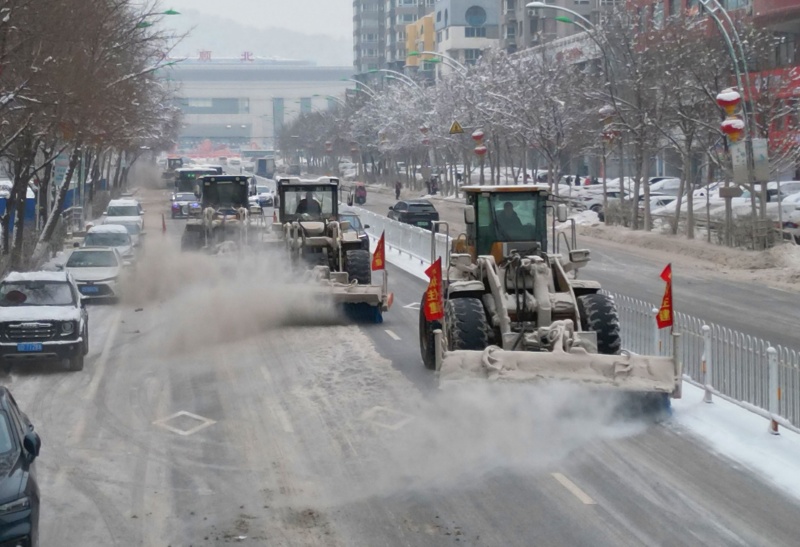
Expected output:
(743, 369)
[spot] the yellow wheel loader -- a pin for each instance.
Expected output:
(322, 244)
(514, 309)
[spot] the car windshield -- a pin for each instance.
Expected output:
(421, 208)
(186, 196)
(92, 259)
(123, 211)
(262, 189)
(354, 220)
(36, 293)
(100, 239)
(6, 442)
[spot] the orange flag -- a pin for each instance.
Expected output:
(379, 257)
(665, 315)
(433, 305)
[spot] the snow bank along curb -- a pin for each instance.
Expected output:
(700, 366)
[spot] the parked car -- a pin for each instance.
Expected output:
(42, 317)
(134, 229)
(182, 204)
(19, 489)
(418, 212)
(788, 188)
(97, 271)
(356, 226)
(111, 235)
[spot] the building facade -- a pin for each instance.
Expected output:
(465, 28)
(369, 35)
(420, 36)
(400, 14)
(236, 102)
(522, 27)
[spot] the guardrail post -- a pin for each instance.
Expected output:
(705, 366)
(656, 335)
(774, 390)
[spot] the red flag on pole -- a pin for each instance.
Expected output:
(379, 256)
(665, 315)
(433, 305)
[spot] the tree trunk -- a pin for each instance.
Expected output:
(55, 212)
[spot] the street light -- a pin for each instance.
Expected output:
(367, 89)
(442, 57)
(145, 24)
(399, 76)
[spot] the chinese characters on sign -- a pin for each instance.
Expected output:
(433, 305)
(205, 55)
(247, 56)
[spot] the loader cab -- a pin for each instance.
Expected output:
(308, 200)
(225, 193)
(501, 219)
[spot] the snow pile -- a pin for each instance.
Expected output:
(584, 218)
(741, 435)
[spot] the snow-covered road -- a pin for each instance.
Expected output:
(213, 415)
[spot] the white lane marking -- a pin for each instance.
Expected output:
(204, 422)
(574, 489)
(100, 366)
(277, 410)
(392, 335)
(412, 306)
(386, 418)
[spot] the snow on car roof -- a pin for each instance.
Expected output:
(507, 188)
(36, 276)
(122, 201)
(108, 229)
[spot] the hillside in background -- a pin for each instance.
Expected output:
(226, 38)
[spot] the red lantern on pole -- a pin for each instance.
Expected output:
(733, 128)
(423, 129)
(477, 135)
(729, 100)
(426, 142)
(481, 150)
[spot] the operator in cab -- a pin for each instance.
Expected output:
(509, 224)
(309, 205)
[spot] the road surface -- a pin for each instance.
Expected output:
(220, 406)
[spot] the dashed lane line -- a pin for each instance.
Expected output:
(100, 364)
(392, 335)
(574, 489)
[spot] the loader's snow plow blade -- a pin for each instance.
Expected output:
(631, 373)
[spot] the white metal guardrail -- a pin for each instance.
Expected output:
(405, 238)
(741, 368)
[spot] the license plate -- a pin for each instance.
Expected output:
(422, 223)
(89, 289)
(28, 347)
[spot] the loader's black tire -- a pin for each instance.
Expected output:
(358, 265)
(467, 328)
(426, 339)
(599, 314)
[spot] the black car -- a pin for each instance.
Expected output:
(19, 492)
(355, 225)
(418, 212)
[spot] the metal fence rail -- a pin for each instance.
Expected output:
(733, 363)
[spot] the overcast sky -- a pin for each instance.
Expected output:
(332, 17)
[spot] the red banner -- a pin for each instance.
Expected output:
(433, 304)
(379, 256)
(665, 316)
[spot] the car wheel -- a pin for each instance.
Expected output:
(86, 340)
(76, 362)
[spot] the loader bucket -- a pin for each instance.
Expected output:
(641, 374)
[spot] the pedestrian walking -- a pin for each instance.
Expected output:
(397, 187)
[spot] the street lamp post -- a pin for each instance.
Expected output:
(446, 58)
(366, 89)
